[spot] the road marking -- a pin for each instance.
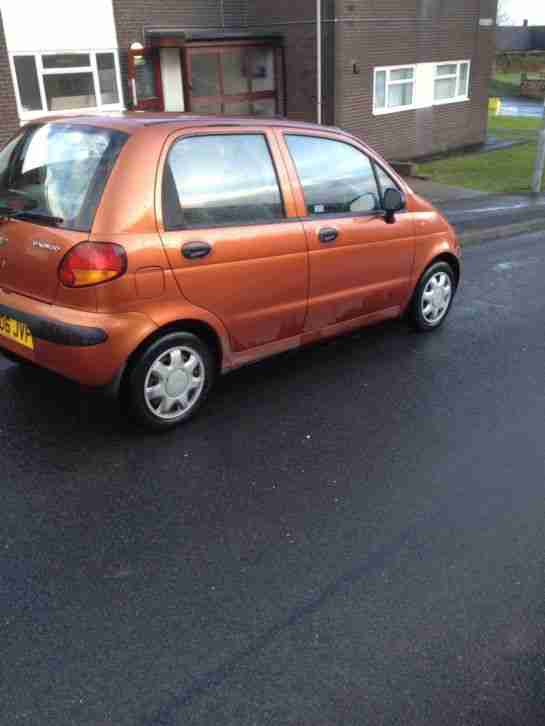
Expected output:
(475, 304)
(480, 210)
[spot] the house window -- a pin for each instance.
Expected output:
(422, 85)
(53, 82)
(451, 82)
(395, 88)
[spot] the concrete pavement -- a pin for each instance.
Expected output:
(442, 193)
(490, 215)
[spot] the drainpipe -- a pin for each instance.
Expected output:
(319, 60)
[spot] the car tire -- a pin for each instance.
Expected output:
(169, 381)
(433, 298)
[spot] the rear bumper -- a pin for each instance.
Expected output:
(56, 331)
(90, 348)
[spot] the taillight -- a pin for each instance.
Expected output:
(91, 263)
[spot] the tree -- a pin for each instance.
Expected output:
(504, 16)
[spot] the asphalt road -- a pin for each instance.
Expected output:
(521, 107)
(351, 534)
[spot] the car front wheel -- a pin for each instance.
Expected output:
(433, 297)
(169, 381)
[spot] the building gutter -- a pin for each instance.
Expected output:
(319, 61)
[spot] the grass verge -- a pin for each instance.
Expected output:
(504, 171)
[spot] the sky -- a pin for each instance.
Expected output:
(519, 10)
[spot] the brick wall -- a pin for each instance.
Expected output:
(520, 38)
(537, 40)
(9, 117)
(389, 32)
(295, 20)
(367, 32)
(511, 38)
(133, 17)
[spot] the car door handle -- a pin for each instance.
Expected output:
(328, 234)
(196, 250)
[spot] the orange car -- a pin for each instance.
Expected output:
(149, 252)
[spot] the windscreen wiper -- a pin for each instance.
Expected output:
(6, 211)
(37, 217)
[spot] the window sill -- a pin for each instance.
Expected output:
(401, 109)
(458, 99)
(397, 109)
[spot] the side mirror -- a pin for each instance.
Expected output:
(393, 201)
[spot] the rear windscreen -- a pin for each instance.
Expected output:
(58, 172)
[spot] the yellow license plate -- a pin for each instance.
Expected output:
(17, 331)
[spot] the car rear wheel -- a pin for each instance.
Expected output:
(433, 297)
(169, 381)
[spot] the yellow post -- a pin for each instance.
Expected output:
(494, 105)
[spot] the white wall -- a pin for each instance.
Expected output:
(49, 25)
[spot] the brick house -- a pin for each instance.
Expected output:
(408, 76)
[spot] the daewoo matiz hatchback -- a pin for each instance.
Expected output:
(148, 253)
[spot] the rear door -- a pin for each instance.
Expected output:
(359, 264)
(54, 175)
(231, 233)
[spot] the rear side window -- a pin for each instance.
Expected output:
(59, 171)
(336, 177)
(220, 180)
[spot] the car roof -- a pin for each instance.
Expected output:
(131, 121)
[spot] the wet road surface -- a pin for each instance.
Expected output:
(349, 534)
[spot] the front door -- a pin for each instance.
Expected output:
(144, 73)
(233, 78)
(231, 233)
(359, 264)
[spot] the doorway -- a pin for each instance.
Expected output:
(229, 77)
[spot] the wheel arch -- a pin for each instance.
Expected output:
(444, 256)
(201, 329)
(450, 259)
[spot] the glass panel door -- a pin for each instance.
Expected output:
(205, 75)
(234, 79)
(145, 80)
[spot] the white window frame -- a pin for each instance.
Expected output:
(458, 98)
(25, 116)
(389, 69)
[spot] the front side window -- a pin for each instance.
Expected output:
(385, 180)
(220, 180)
(336, 178)
(52, 82)
(451, 81)
(394, 88)
(58, 172)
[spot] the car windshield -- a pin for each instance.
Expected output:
(55, 173)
